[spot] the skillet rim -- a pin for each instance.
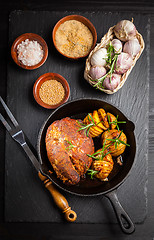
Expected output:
(90, 194)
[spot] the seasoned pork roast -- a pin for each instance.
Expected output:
(67, 148)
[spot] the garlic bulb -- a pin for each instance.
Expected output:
(125, 30)
(97, 72)
(112, 83)
(132, 47)
(117, 44)
(99, 57)
(124, 62)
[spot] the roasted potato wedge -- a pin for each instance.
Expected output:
(100, 122)
(97, 119)
(112, 119)
(104, 166)
(103, 118)
(94, 130)
(116, 147)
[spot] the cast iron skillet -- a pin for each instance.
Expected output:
(79, 109)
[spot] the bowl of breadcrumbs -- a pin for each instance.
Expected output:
(74, 36)
(51, 90)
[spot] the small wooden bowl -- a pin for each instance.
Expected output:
(81, 19)
(30, 36)
(46, 77)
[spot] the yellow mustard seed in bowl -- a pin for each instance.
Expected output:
(52, 92)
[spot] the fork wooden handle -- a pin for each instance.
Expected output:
(59, 199)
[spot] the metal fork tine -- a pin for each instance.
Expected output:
(18, 135)
(5, 123)
(14, 121)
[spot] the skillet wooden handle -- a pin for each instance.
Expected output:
(59, 199)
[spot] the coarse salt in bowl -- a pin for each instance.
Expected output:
(29, 51)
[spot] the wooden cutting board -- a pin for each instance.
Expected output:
(26, 200)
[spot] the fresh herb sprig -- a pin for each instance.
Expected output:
(70, 146)
(115, 122)
(111, 62)
(86, 127)
(91, 172)
(110, 52)
(100, 153)
(101, 156)
(110, 72)
(117, 141)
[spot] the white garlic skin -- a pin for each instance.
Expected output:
(99, 57)
(113, 83)
(125, 30)
(132, 47)
(97, 72)
(117, 44)
(124, 62)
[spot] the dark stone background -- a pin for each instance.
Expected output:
(64, 230)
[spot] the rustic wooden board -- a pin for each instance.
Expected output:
(26, 200)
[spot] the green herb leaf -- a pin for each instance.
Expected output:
(124, 143)
(110, 51)
(101, 152)
(89, 115)
(87, 127)
(117, 141)
(115, 122)
(111, 61)
(105, 155)
(120, 134)
(91, 172)
(111, 139)
(70, 147)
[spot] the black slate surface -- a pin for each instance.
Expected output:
(25, 197)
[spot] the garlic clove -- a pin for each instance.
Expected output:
(112, 83)
(125, 30)
(132, 47)
(97, 72)
(124, 62)
(99, 57)
(117, 44)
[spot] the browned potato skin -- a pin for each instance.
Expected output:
(104, 167)
(112, 119)
(94, 130)
(103, 117)
(112, 134)
(100, 118)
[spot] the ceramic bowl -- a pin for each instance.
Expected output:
(30, 36)
(46, 77)
(81, 19)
